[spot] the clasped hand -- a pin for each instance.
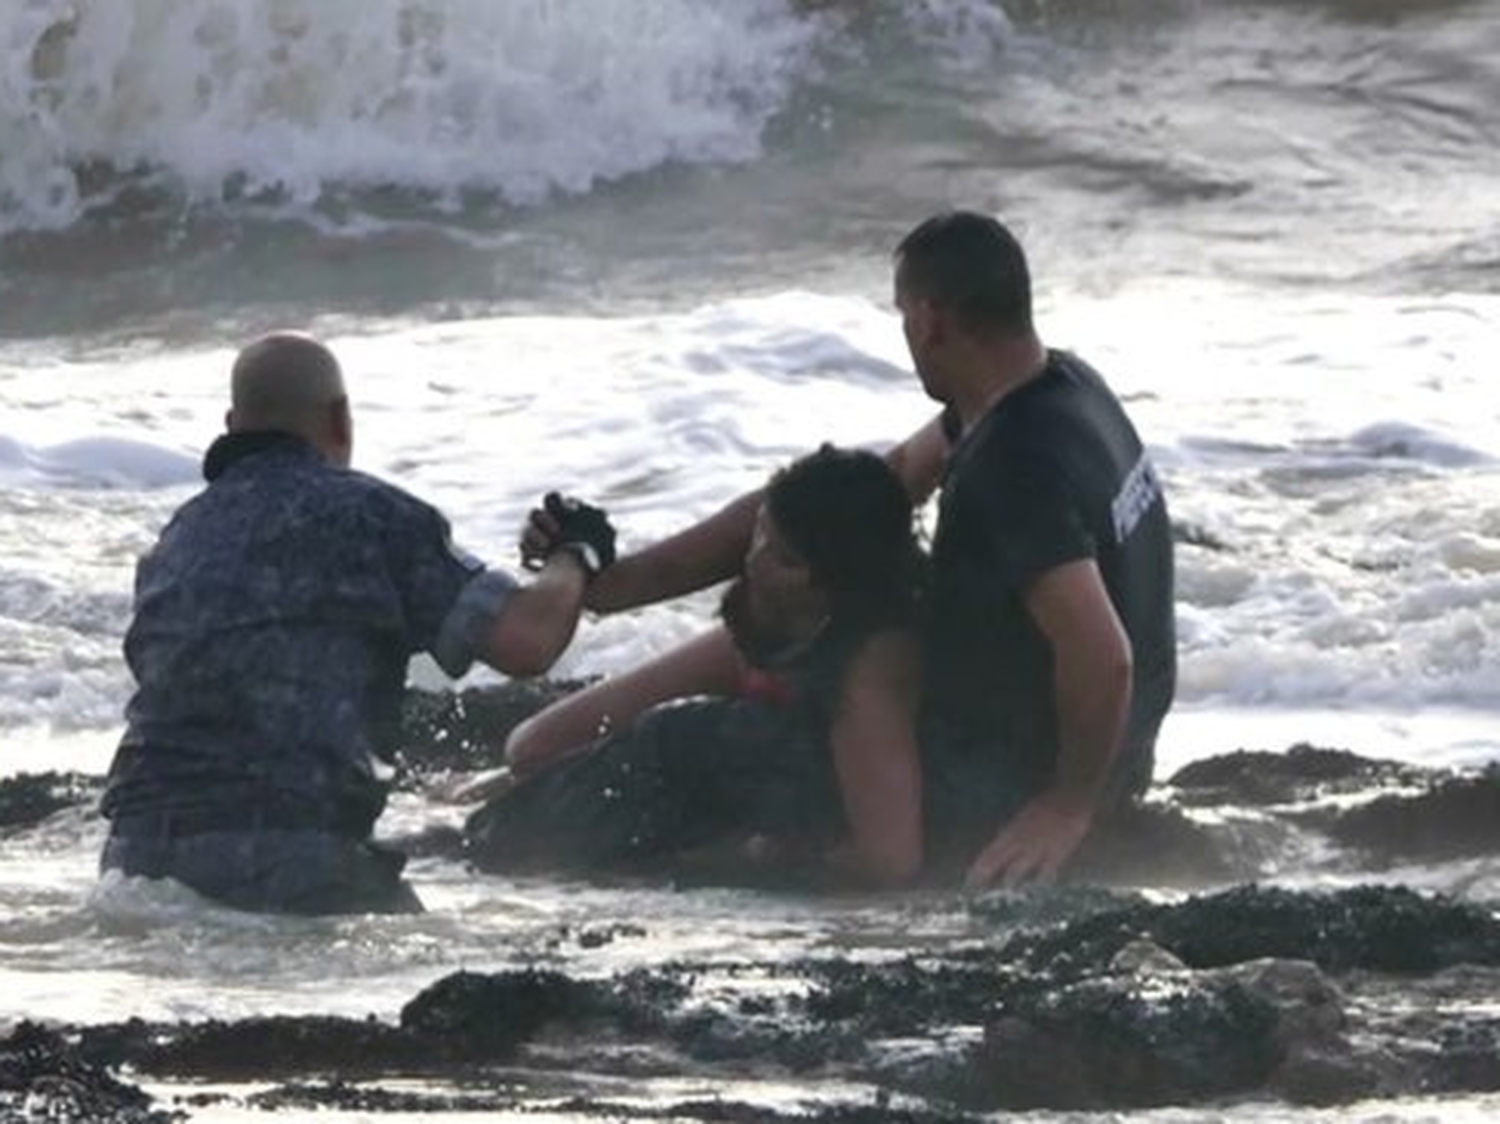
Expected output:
(567, 523)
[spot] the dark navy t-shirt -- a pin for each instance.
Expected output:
(1054, 473)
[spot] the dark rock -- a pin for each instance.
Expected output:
(1086, 999)
(1112, 1043)
(1317, 1062)
(1387, 929)
(28, 798)
(1457, 818)
(348, 1097)
(489, 1015)
(44, 1077)
(1378, 928)
(1171, 1037)
(597, 936)
(1466, 1057)
(641, 1002)
(899, 996)
(259, 1048)
(1303, 772)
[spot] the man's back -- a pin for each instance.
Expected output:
(274, 620)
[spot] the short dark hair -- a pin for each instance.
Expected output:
(971, 265)
(846, 513)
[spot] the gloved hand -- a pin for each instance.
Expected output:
(566, 523)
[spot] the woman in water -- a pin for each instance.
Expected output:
(788, 729)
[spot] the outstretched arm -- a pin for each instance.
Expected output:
(695, 558)
(712, 550)
(705, 665)
(1092, 677)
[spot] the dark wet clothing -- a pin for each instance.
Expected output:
(1054, 473)
(270, 869)
(273, 623)
(685, 775)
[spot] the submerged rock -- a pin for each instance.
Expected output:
(1456, 817)
(1078, 1000)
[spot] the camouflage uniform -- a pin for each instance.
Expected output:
(273, 623)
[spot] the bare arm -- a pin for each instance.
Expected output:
(713, 549)
(1092, 676)
(920, 459)
(705, 665)
(538, 620)
(876, 757)
(702, 555)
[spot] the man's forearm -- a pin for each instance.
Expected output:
(538, 621)
(1092, 707)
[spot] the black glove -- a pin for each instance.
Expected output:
(583, 529)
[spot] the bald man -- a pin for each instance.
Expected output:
(273, 622)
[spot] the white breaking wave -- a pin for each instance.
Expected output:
(94, 462)
(287, 98)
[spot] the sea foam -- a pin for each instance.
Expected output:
(292, 99)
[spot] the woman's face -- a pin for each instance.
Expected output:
(779, 580)
(769, 604)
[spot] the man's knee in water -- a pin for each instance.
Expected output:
(294, 872)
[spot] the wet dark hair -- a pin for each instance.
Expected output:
(845, 512)
(971, 265)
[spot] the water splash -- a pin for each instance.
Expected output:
(290, 100)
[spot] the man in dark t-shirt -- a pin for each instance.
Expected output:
(1051, 648)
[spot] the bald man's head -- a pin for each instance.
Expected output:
(291, 383)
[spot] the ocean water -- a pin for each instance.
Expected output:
(641, 251)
